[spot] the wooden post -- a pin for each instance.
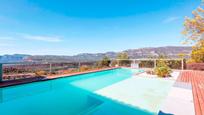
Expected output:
(182, 64)
(1, 72)
(155, 63)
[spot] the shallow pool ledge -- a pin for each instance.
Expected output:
(136, 93)
(179, 100)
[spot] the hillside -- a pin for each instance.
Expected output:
(170, 51)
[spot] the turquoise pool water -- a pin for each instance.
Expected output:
(67, 96)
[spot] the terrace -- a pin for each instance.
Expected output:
(193, 78)
(68, 58)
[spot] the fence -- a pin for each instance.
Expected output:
(14, 71)
(173, 64)
(152, 63)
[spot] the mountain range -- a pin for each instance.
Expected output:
(169, 51)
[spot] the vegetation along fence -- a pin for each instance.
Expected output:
(15, 71)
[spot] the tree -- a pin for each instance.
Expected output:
(181, 55)
(197, 54)
(194, 27)
(123, 55)
(105, 62)
(194, 32)
(123, 59)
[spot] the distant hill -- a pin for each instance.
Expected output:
(13, 58)
(170, 51)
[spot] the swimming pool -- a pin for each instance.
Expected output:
(68, 96)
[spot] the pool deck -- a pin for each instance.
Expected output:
(196, 79)
(36, 79)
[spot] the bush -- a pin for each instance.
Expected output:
(162, 71)
(40, 73)
(84, 68)
(53, 73)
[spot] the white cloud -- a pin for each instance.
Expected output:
(5, 45)
(42, 38)
(170, 19)
(6, 38)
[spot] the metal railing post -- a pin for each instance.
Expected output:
(1, 72)
(79, 65)
(50, 68)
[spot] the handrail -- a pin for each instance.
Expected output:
(1, 72)
(49, 67)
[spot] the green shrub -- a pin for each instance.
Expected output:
(162, 71)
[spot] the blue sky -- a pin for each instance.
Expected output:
(68, 27)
